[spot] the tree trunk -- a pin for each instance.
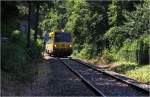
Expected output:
(37, 21)
(29, 22)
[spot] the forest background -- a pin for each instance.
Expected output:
(103, 31)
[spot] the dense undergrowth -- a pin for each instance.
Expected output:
(135, 71)
(125, 39)
(18, 61)
(108, 31)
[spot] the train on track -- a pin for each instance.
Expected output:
(58, 43)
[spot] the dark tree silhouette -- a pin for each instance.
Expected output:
(29, 22)
(37, 20)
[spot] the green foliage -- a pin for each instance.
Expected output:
(137, 72)
(136, 51)
(17, 37)
(140, 73)
(35, 49)
(16, 57)
(126, 41)
(114, 28)
(125, 68)
(50, 22)
(137, 21)
(116, 36)
(16, 60)
(107, 57)
(84, 23)
(87, 52)
(115, 15)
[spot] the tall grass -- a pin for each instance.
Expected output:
(140, 73)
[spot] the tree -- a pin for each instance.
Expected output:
(37, 20)
(115, 15)
(29, 25)
(9, 21)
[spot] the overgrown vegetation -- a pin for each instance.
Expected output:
(17, 60)
(103, 28)
(135, 71)
(110, 31)
(129, 42)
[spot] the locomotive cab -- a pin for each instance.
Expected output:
(59, 43)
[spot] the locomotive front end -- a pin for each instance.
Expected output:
(62, 44)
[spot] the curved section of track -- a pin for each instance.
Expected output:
(62, 82)
(104, 84)
(86, 81)
(118, 76)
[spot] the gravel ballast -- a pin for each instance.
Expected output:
(108, 85)
(55, 79)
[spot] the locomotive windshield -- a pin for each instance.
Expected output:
(62, 37)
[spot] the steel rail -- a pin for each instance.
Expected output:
(83, 79)
(120, 79)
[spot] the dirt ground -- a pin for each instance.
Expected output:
(15, 88)
(52, 79)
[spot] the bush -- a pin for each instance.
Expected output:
(135, 71)
(106, 57)
(135, 51)
(19, 38)
(15, 61)
(35, 49)
(88, 51)
(16, 58)
(140, 73)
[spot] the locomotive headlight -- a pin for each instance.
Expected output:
(55, 45)
(70, 45)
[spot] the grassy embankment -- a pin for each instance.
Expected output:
(135, 71)
(129, 69)
(130, 60)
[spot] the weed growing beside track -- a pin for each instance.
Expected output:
(140, 73)
(132, 70)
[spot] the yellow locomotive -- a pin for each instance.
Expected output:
(59, 43)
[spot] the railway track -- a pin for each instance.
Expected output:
(63, 82)
(102, 83)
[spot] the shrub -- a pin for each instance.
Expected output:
(106, 57)
(16, 58)
(35, 49)
(88, 51)
(15, 61)
(135, 51)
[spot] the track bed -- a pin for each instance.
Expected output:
(108, 85)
